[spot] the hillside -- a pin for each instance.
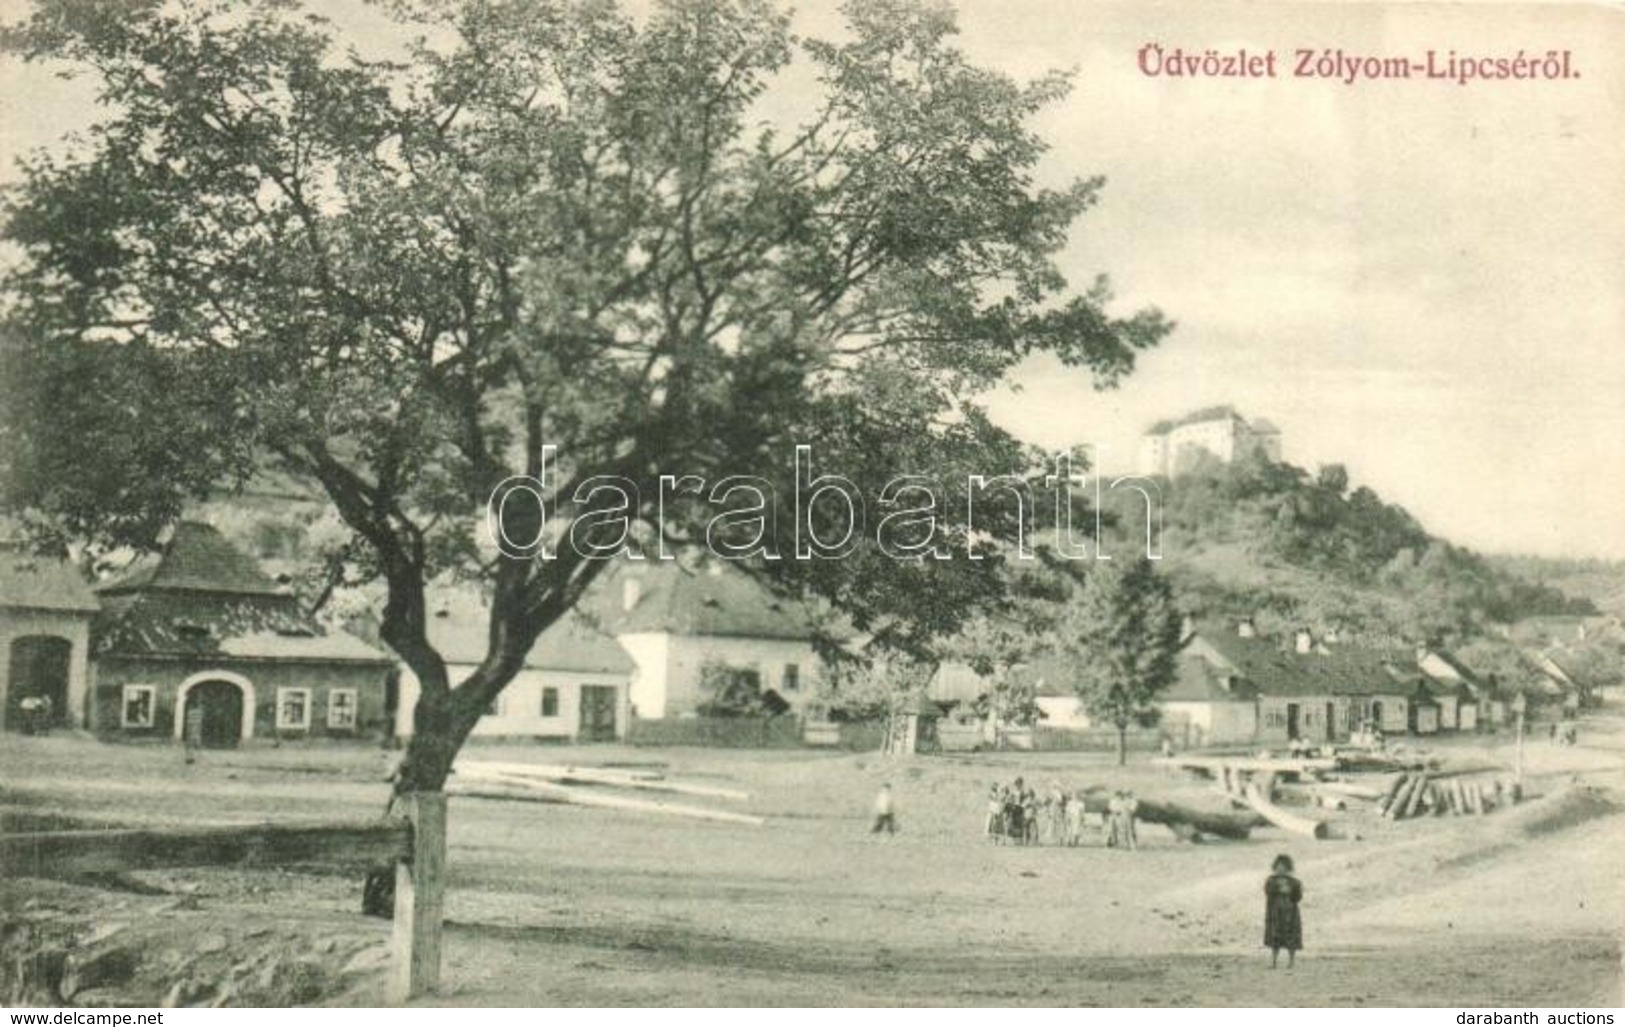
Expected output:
(1600, 581)
(1269, 540)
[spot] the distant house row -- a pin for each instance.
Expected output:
(197, 641)
(1235, 686)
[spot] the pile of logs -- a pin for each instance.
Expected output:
(592, 786)
(1425, 794)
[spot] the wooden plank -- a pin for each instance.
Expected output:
(1391, 794)
(66, 854)
(1353, 790)
(1415, 802)
(1305, 826)
(420, 888)
(543, 791)
(1402, 798)
(526, 773)
(1215, 765)
(559, 770)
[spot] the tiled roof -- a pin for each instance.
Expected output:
(170, 624)
(460, 632)
(40, 583)
(339, 646)
(1341, 670)
(1223, 412)
(203, 597)
(1200, 681)
(715, 600)
(1453, 661)
(197, 558)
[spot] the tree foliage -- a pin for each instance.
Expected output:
(1123, 632)
(550, 224)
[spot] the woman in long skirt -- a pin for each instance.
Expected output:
(1283, 928)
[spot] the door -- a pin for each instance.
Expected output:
(597, 713)
(1292, 720)
(216, 710)
(1331, 722)
(39, 676)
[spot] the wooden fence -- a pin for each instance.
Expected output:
(415, 844)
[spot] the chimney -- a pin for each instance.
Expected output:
(1305, 641)
(631, 592)
(1245, 628)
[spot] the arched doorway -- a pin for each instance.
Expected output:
(222, 706)
(218, 707)
(38, 669)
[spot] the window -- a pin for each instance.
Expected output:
(792, 677)
(293, 709)
(138, 709)
(341, 704)
(550, 702)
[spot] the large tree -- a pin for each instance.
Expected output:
(537, 224)
(1124, 633)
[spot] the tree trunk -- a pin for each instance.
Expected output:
(1122, 745)
(438, 732)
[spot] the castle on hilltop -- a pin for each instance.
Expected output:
(1168, 447)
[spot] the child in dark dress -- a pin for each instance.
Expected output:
(1283, 929)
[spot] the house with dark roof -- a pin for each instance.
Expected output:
(1211, 703)
(676, 621)
(46, 610)
(1467, 701)
(195, 642)
(1305, 689)
(575, 684)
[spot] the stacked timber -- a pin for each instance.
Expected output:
(1424, 793)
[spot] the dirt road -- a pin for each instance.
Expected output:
(568, 906)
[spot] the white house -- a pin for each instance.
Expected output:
(575, 685)
(45, 617)
(675, 621)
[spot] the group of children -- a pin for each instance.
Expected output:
(1018, 815)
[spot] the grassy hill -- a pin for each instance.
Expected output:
(1270, 541)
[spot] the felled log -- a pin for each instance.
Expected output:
(1305, 826)
(1181, 819)
(543, 791)
(1402, 799)
(1391, 793)
(1415, 803)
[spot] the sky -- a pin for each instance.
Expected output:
(1421, 280)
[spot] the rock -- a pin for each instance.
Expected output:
(209, 944)
(110, 966)
(188, 992)
(370, 958)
